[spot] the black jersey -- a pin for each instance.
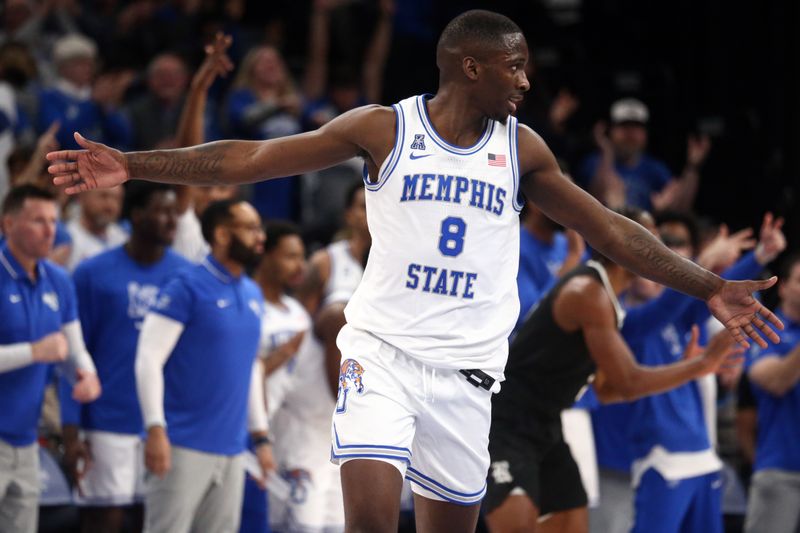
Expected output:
(547, 366)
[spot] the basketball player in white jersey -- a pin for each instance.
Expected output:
(301, 420)
(443, 175)
(285, 324)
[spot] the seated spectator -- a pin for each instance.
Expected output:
(265, 104)
(622, 173)
(73, 102)
(96, 229)
(154, 116)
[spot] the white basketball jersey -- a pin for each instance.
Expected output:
(346, 273)
(279, 325)
(440, 282)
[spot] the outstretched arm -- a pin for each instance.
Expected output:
(367, 131)
(585, 306)
(632, 246)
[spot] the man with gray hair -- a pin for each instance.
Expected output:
(75, 102)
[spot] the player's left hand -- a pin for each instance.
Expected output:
(733, 305)
(87, 388)
(265, 461)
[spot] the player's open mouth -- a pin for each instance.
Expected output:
(514, 101)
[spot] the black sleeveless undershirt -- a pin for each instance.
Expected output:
(547, 366)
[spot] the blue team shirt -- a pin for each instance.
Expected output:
(207, 376)
(657, 333)
(778, 417)
(114, 294)
(649, 175)
(539, 263)
(29, 310)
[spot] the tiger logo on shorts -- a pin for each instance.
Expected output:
(350, 376)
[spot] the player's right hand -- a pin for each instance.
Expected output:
(52, 348)
(96, 167)
(157, 451)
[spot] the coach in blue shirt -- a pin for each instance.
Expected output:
(195, 364)
(39, 326)
(774, 503)
(115, 290)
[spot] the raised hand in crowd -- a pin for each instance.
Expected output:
(771, 240)
(564, 105)
(607, 186)
(725, 248)
(697, 149)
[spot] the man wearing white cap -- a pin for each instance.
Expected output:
(73, 103)
(621, 173)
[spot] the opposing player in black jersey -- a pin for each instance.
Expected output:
(571, 338)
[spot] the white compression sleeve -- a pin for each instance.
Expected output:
(14, 356)
(156, 341)
(77, 347)
(256, 410)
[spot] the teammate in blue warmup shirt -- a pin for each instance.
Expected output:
(459, 238)
(39, 326)
(774, 503)
(675, 470)
(115, 291)
(198, 378)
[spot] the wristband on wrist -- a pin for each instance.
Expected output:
(263, 439)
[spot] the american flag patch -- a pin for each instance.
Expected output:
(497, 160)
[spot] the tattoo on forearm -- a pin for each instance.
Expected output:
(200, 165)
(670, 268)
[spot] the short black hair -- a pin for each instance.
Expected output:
(352, 191)
(277, 230)
(216, 214)
(16, 197)
(479, 28)
(138, 194)
(681, 217)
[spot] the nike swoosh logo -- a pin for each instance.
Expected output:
(15, 298)
(222, 304)
(418, 156)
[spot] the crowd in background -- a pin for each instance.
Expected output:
(138, 75)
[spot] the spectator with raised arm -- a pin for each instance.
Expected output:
(192, 201)
(622, 173)
(154, 116)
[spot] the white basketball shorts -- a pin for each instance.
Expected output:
(116, 475)
(430, 423)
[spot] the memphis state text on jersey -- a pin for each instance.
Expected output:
(449, 189)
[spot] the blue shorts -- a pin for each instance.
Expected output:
(692, 505)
